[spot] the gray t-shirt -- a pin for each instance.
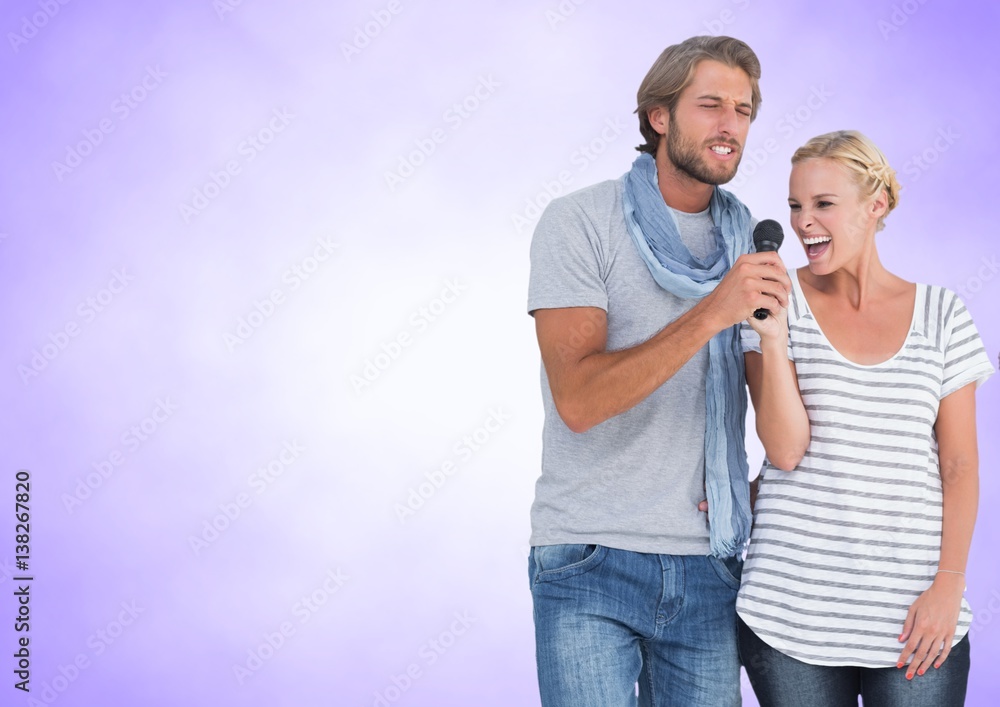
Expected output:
(634, 481)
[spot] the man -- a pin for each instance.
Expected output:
(637, 289)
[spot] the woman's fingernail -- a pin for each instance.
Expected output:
(921, 671)
(899, 665)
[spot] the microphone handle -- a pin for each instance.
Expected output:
(765, 247)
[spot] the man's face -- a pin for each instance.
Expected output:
(706, 133)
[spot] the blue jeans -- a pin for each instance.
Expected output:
(606, 619)
(779, 680)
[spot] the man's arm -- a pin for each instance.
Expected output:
(590, 384)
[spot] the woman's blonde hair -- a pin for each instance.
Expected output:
(862, 159)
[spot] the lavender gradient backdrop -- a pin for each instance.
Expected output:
(416, 281)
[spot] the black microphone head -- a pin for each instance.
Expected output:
(767, 236)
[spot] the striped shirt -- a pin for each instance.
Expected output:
(844, 544)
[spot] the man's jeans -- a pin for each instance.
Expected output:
(606, 619)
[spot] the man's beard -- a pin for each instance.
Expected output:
(687, 158)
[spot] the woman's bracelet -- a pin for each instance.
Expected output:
(950, 572)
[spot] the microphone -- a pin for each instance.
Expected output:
(767, 238)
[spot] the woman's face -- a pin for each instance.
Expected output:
(833, 223)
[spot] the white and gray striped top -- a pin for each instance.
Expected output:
(843, 545)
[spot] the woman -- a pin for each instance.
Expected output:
(864, 397)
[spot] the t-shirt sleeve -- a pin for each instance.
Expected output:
(567, 258)
(965, 357)
(749, 339)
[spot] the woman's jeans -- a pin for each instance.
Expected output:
(781, 681)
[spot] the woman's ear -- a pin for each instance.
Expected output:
(880, 204)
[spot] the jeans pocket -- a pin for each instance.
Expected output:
(555, 562)
(729, 569)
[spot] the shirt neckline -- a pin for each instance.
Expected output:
(906, 340)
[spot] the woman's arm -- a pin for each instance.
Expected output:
(782, 422)
(933, 616)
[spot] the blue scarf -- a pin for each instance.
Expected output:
(655, 233)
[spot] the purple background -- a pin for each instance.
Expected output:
(451, 237)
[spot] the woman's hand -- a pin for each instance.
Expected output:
(773, 330)
(930, 624)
